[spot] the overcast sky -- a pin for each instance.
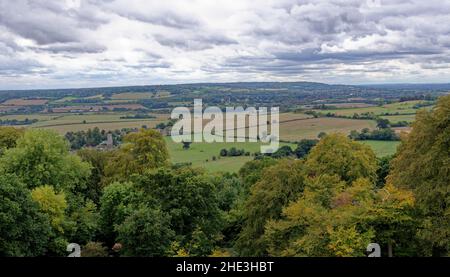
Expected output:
(56, 44)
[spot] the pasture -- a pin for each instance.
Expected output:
(382, 148)
(201, 154)
(310, 128)
(63, 123)
(401, 108)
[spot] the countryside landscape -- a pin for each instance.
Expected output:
(307, 109)
(213, 137)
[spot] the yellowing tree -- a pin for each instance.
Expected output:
(278, 185)
(142, 150)
(335, 154)
(51, 203)
(423, 165)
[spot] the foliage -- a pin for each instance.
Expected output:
(383, 170)
(189, 198)
(304, 147)
(334, 219)
(24, 230)
(145, 232)
(278, 185)
(423, 165)
(381, 134)
(336, 154)
(41, 157)
(51, 203)
(98, 161)
(114, 208)
(142, 150)
(94, 249)
(9, 137)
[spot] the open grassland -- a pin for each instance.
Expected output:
(43, 117)
(63, 129)
(293, 116)
(382, 148)
(349, 105)
(310, 128)
(394, 108)
(398, 118)
(199, 153)
(63, 123)
(132, 95)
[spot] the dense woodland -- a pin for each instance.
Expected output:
(332, 198)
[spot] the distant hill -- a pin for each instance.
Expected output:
(262, 92)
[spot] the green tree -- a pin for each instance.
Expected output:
(51, 203)
(189, 197)
(115, 205)
(336, 154)
(278, 185)
(383, 170)
(54, 206)
(332, 218)
(9, 137)
(422, 164)
(146, 232)
(142, 150)
(148, 148)
(24, 230)
(98, 161)
(42, 157)
(251, 172)
(382, 123)
(304, 147)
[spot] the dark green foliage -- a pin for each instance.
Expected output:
(145, 232)
(98, 161)
(304, 146)
(282, 152)
(383, 170)
(380, 134)
(186, 144)
(24, 230)
(190, 199)
(232, 152)
(382, 123)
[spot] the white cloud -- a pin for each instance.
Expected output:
(104, 42)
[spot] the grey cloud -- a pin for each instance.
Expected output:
(194, 41)
(14, 66)
(47, 22)
(72, 48)
(289, 38)
(167, 19)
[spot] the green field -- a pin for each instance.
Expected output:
(398, 118)
(382, 148)
(310, 128)
(198, 153)
(400, 108)
(293, 127)
(64, 123)
(132, 95)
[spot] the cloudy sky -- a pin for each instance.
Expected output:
(72, 43)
